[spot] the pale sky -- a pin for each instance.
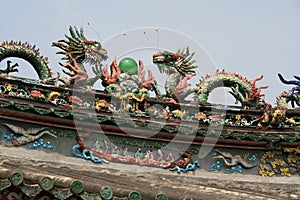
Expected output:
(252, 38)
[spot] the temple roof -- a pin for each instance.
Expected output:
(65, 177)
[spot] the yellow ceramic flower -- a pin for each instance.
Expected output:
(285, 171)
(262, 173)
(263, 159)
(238, 117)
(270, 173)
(292, 158)
(280, 162)
(269, 154)
(277, 162)
(8, 87)
(273, 164)
(264, 167)
(264, 170)
(289, 150)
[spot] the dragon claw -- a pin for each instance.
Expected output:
(10, 68)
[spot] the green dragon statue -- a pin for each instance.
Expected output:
(76, 49)
(180, 68)
(282, 100)
(27, 52)
(243, 90)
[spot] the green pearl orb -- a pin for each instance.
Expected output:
(128, 65)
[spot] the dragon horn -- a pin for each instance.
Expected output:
(79, 33)
(189, 66)
(297, 77)
(190, 71)
(282, 79)
(59, 45)
(76, 34)
(189, 58)
(181, 51)
(288, 82)
(187, 51)
(192, 62)
(61, 41)
(72, 32)
(73, 40)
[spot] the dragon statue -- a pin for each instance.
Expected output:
(243, 90)
(27, 52)
(180, 68)
(23, 136)
(233, 160)
(76, 49)
(292, 95)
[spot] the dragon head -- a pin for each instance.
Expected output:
(82, 50)
(180, 62)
